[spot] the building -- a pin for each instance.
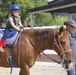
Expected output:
(56, 6)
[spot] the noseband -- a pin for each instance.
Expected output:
(59, 45)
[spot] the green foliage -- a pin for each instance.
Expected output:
(25, 5)
(1, 15)
(40, 19)
(4, 1)
(59, 20)
(4, 11)
(47, 19)
(40, 2)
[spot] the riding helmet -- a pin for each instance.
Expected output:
(15, 7)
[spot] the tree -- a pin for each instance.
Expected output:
(25, 5)
(59, 20)
(40, 18)
(4, 11)
(4, 1)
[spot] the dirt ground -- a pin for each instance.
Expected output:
(36, 70)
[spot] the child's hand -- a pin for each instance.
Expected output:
(21, 30)
(21, 27)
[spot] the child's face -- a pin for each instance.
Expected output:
(16, 13)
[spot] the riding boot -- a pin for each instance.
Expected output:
(1, 44)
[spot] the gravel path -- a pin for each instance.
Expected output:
(36, 70)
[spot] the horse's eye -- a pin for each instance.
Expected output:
(62, 43)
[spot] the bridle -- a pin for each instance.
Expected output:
(58, 44)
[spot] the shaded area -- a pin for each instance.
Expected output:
(43, 58)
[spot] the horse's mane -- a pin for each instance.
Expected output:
(43, 34)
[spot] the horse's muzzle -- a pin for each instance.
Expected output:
(66, 60)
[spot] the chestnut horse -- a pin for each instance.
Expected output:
(33, 42)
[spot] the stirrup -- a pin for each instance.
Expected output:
(9, 59)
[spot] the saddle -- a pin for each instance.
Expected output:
(12, 38)
(10, 41)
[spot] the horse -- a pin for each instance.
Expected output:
(33, 42)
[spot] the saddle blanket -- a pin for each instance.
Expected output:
(11, 39)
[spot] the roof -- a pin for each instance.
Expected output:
(67, 6)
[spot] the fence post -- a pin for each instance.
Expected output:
(32, 22)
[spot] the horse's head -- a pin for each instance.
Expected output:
(64, 44)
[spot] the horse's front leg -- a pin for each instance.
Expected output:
(24, 70)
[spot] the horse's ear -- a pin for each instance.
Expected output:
(61, 30)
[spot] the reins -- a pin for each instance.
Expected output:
(38, 48)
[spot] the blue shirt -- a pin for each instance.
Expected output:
(72, 37)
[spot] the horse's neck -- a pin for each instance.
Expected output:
(46, 42)
(42, 39)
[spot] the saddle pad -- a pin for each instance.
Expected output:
(11, 39)
(11, 34)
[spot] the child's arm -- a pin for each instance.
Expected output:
(20, 24)
(13, 25)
